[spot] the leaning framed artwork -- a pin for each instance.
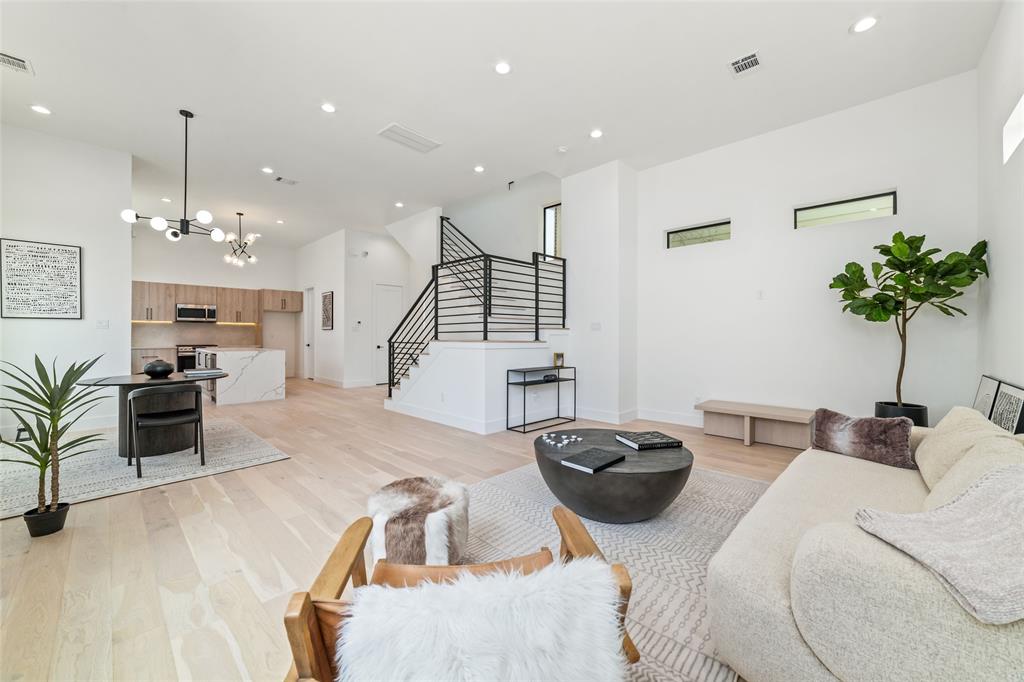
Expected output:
(1008, 408)
(39, 280)
(986, 395)
(327, 310)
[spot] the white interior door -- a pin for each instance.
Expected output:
(309, 312)
(387, 311)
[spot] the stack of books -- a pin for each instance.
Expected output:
(647, 440)
(201, 372)
(593, 460)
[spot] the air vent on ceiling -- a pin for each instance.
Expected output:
(16, 63)
(408, 137)
(285, 181)
(745, 65)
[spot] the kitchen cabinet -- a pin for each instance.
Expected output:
(153, 301)
(280, 300)
(237, 305)
(190, 293)
(140, 356)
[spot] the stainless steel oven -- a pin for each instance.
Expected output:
(194, 312)
(187, 355)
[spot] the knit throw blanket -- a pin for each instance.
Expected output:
(974, 545)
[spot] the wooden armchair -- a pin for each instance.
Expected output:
(313, 618)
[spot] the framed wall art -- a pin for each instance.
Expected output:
(39, 280)
(986, 395)
(327, 310)
(1008, 408)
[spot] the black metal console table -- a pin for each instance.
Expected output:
(528, 377)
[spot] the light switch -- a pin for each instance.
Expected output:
(595, 326)
(103, 324)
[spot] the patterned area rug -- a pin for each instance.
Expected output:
(667, 558)
(102, 473)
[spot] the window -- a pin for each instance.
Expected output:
(845, 211)
(1013, 130)
(553, 230)
(699, 234)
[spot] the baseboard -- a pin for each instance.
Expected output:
(607, 416)
(473, 425)
(683, 418)
(357, 383)
(329, 382)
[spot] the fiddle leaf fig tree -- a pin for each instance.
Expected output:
(907, 280)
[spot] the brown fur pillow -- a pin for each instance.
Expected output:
(886, 441)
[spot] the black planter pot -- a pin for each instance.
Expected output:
(158, 369)
(917, 413)
(47, 522)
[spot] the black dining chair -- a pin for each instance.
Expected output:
(149, 420)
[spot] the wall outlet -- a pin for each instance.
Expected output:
(103, 324)
(595, 326)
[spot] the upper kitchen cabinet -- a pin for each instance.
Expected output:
(195, 295)
(282, 301)
(153, 301)
(237, 305)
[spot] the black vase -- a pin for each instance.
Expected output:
(917, 413)
(47, 522)
(158, 369)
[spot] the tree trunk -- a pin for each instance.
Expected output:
(41, 502)
(903, 356)
(54, 468)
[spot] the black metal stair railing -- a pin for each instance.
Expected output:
(473, 295)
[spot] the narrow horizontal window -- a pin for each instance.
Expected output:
(845, 211)
(699, 234)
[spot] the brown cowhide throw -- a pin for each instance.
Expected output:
(420, 521)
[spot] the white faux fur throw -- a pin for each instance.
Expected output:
(560, 623)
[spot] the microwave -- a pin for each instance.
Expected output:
(192, 312)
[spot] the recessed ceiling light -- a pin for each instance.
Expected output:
(596, 133)
(478, 169)
(267, 169)
(327, 107)
(503, 68)
(865, 24)
(40, 109)
(166, 200)
(399, 204)
(562, 149)
(280, 222)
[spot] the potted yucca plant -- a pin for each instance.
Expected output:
(47, 406)
(908, 279)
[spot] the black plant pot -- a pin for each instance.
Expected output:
(917, 413)
(47, 522)
(158, 369)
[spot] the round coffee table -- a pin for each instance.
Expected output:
(633, 490)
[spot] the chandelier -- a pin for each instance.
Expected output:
(198, 225)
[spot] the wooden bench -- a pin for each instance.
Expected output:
(789, 427)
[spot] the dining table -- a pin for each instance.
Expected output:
(154, 441)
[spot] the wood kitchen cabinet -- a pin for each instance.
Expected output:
(153, 301)
(141, 356)
(237, 305)
(190, 293)
(282, 301)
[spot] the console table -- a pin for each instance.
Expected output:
(526, 378)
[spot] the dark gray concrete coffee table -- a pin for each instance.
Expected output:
(633, 490)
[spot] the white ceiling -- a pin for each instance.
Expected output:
(654, 77)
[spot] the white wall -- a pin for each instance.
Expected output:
(321, 265)
(752, 318)
(197, 260)
(508, 222)
(1001, 200)
(418, 235)
(58, 190)
(385, 263)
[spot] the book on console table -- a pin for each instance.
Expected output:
(202, 372)
(593, 460)
(647, 440)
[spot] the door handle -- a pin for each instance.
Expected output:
(378, 346)
(307, 345)
(282, 304)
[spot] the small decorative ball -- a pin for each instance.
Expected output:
(158, 369)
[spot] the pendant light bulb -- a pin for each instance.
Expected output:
(252, 259)
(172, 235)
(231, 237)
(129, 216)
(159, 224)
(217, 235)
(227, 258)
(250, 237)
(204, 216)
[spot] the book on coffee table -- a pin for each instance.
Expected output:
(647, 440)
(593, 460)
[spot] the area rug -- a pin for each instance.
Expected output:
(101, 473)
(667, 558)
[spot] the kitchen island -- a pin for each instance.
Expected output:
(254, 374)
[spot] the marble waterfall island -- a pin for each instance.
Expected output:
(255, 374)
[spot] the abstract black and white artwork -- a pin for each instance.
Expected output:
(986, 395)
(327, 310)
(1008, 408)
(40, 280)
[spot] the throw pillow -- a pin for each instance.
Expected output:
(882, 440)
(954, 435)
(990, 453)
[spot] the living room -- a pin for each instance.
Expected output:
(360, 286)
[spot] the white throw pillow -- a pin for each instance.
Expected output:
(560, 623)
(954, 435)
(989, 454)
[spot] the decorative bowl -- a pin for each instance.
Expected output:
(158, 369)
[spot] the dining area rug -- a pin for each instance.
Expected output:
(101, 472)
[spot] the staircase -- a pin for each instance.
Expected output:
(475, 296)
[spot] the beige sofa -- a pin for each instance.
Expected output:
(799, 592)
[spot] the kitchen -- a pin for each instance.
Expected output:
(256, 332)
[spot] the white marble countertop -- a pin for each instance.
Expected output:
(236, 349)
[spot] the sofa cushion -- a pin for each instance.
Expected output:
(988, 454)
(870, 612)
(954, 435)
(749, 577)
(882, 440)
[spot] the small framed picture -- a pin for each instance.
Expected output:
(1008, 408)
(327, 310)
(559, 360)
(986, 395)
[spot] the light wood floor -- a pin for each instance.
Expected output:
(190, 580)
